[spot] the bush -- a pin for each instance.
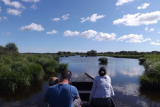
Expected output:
(150, 79)
(19, 70)
(36, 71)
(11, 47)
(103, 60)
(49, 65)
(142, 60)
(62, 67)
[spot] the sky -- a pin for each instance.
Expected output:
(49, 26)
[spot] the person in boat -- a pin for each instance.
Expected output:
(62, 94)
(101, 88)
(53, 81)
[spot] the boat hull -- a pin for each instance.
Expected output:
(84, 83)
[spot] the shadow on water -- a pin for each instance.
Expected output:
(152, 96)
(22, 94)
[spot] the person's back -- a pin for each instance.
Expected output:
(61, 95)
(103, 87)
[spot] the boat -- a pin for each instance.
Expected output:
(84, 83)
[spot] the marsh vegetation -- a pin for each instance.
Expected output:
(19, 70)
(151, 77)
(103, 60)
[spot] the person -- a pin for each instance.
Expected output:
(102, 87)
(53, 81)
(62, 94)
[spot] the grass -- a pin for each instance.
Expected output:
(151, 77)
(126, 56)
(20, 70)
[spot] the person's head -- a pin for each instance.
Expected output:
(102, 71)
(53, 81)
(66, 74)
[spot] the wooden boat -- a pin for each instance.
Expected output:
(84, 85)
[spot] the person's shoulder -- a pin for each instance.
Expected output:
(53, 86)
(73, 86)
(97, 77)
(107, 76)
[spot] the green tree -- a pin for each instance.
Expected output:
(11, 47)
(60, 53)
(92, 53)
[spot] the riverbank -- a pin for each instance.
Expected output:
(151, 77)
(19, 70)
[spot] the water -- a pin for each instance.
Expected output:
(124, 74)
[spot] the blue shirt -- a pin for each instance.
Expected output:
(102, 87)
(61, 95)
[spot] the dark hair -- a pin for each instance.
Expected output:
(66, 74)
(53, 81)
(102, 71)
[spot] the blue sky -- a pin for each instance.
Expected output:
(80, 25)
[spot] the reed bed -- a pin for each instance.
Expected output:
(151, 77)
(20, 70)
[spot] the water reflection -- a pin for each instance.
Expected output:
(127, 89)
(123, 72)
(132, 71)
(153, 96)
(21, 93)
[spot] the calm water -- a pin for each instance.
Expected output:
(123, 72)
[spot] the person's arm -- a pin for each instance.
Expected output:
(111, 88)
(75, 93)
(112, 91)
(93, 90)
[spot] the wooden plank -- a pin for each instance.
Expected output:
(84, 91)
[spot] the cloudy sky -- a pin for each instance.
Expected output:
(80, 25)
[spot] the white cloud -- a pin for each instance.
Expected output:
(128, 89)
(31, 1)
(0, 9)
(154, 43)
(133, 38)
(121, 2)
(13, 11)
(105, 36)
(15, 4)
(88, 34)
(65, 17)
(143, 103)
(32, 27)
(146, 28)
(52, 32)
(139, 19)
(3, 18)
(149, 30)
(132, 72)
(84, 19)
(144, 6)
(70, 33)
(33, 6)
(158, 40)
(158, 32)
(56, 19)
(7, 33)
(93, 18)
